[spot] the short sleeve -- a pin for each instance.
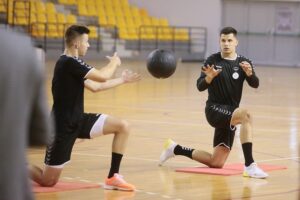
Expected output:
(79, 68)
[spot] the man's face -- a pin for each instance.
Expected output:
(228, 43)
(83, 44)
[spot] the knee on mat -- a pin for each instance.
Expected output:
(216, 165)
(49, 183)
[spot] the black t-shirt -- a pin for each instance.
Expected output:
(227, 87)
(68, 92)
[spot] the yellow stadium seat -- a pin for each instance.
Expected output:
(62, 1)
(110, 12)
(164, 34)
(155, 21)
(52, 30)
(71, 19)
(61, 21)
(67, 2)
(163, 22)
(38, 30)
(99, 4)
(41, 18)
(50, 7)
(111, 21)
(91, 9)
(148, 33)
(131, 23)
(147, 21)
(3, 7)
(127, 34)
(118, 9)
(82, 10)
(93, 32)
(81, 2)
(135, 12)
(102, 20)
(108, 3)
(137, 21)
(51, 18)
(19, 5)
(124, 3)
(21, 17)
(33, 7)
(100, 9)
(61, 18)
(144, 13)
(181, 34)
(40, 7)
(33, 18)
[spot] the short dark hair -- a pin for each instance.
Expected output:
(228, 30)
(74, 31)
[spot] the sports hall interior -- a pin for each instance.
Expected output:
(158, 109)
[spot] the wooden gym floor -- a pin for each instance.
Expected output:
(173, 108)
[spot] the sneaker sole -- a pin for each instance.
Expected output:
(109, 187)
(261, 177)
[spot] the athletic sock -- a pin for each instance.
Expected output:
(247, 150)
(183, 151)
(115, 164)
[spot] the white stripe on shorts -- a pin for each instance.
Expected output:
(58, 166)
(97, 128)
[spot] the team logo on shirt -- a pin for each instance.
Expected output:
(235, 75)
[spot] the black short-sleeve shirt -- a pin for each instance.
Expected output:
(227, 87)
(68, 92)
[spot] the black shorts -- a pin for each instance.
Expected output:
(219, 117)
(59, 152)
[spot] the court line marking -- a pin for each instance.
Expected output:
(268, 194)
(140, 191)
(154, 109)
(201, 124)
(156, 160)
(243, 104)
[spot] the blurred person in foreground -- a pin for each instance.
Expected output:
(24, 115)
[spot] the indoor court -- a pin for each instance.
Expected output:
(158, 109)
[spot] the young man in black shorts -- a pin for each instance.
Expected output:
(71, 75)
(223, 74)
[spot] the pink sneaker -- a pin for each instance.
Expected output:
(118, 183)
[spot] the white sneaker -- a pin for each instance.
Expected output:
(253, 171)
(168, 151)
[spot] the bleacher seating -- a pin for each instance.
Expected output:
(132, 23)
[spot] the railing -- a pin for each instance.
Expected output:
(22, 8)
(49, 33)
(193, 39)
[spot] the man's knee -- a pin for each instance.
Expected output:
(216, 165)
(244, 115)
(49, 183)
(124, 127)
(247, 117)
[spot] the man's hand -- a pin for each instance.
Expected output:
(210, 72)
(115, 58)
(129, 76)
(247, 68)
